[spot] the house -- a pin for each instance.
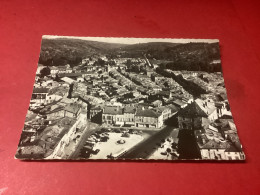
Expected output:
(112, 115)
(68, 80)
(213, 149)
(129, 115)
(157, 103)
(72, 110)
(64, 69)
(209, 108)
(174, 109)
(156, 77)
(56, 113)
(233, 153)
(39, 68)
(80, 79)
(70, 75)
(148, 118)
(198, 113)
(191, 117)
(39, 95)
(149, 72)
(53, 97)
(57, 93)
(179, 103)
(94, 110)
(166, 112)
(54, 70)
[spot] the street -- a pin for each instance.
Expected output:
(90, 129)
(144, 149)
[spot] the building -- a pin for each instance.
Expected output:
(198, 114)
(174, 109)
(213, 150)
(72, 110)
(57, 93)
(54, 70)
(148, 118)
(129, 115)
(39, 95)
(56, 113)
(209, 108)
(191, 117)
(94, 110)
(112, 115)
(39, 68)
(166, 112)
(179, 103)
(232, 153)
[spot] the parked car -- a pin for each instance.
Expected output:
(89, 144)
(95, 151)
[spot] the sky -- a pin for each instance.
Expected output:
(132, 40)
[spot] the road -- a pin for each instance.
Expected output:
(89, 130)
(144, 149)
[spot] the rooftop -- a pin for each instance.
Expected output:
(192, 110)
(212, 144)
(40, 90)
(113, 110)
(147, 113)
(129, 109)
(73, 108)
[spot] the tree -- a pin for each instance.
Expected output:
(101, 62)
(45, 72)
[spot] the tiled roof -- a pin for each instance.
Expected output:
(147, 113)
(40, 90)
(129, 109)
(96, 108)
(73, 108)
(113, 110)
(69, 74)
(173, 108)
(212, 144)
(192, 110)
(178, 102)
(162, 108)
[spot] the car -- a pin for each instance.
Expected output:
(164, 153)
(95, 151)
(89, 144)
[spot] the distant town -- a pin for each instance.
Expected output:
(128, 103)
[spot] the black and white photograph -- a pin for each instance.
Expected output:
(106, 98)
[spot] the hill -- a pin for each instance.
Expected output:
(189, 56)
(63, 51)
(137, 50)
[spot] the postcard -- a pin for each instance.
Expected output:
(112, 98)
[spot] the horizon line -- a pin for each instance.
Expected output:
(133, 40)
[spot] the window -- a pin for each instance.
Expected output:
(184, 125)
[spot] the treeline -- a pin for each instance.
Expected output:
(190, 56)
(189, 86)
(60, 59)
(192, 65)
